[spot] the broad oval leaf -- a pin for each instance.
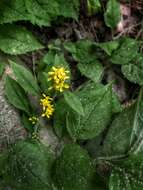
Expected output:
(28, 166)
(69, 8)
(108, 47)
(42, 12)
(61, 108)
(17, 40)
(93, 70)
(124, 132)
(13, 10)
(112, 15)
(127, 174)
(16, 95)
(25, 78)
(73, 169)
(82, 51)
(126, 52)
(74, 102)
(134, 70)
(117, 140)
(99, 104)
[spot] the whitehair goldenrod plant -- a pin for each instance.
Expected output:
(70, 92)
(79, 114)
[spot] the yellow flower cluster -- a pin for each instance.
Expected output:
(59, 76)
(47, 106)
(33, 119)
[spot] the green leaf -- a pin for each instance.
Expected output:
(38, 12)
(82, 51)
(92, 70)
(16, 95)
(17, 40)
(137, 122)
(2, 67)
(25, 78)
(69, 8)
(74, 102)
(117, 140)
(134, 70)
(13, 10)
(49, 58)
(42, 11)
(127, 174)
(112, 16)
(59, 61)
(43, 81)
(28, 167)
(108, 47)
(46, 62)
(127, 51)
(99, 105)
(61, 109)
(73, 169)
(125, 130)
(93, 6)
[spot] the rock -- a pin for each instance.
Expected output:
(10, 125)
(48, 138)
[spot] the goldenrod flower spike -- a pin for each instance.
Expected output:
(47, 106)
(33, 119)
(59, 76)
(45, 101)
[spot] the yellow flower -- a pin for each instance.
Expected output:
(47, 106)
(33, 119)
(59, 76)
(61, 87)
